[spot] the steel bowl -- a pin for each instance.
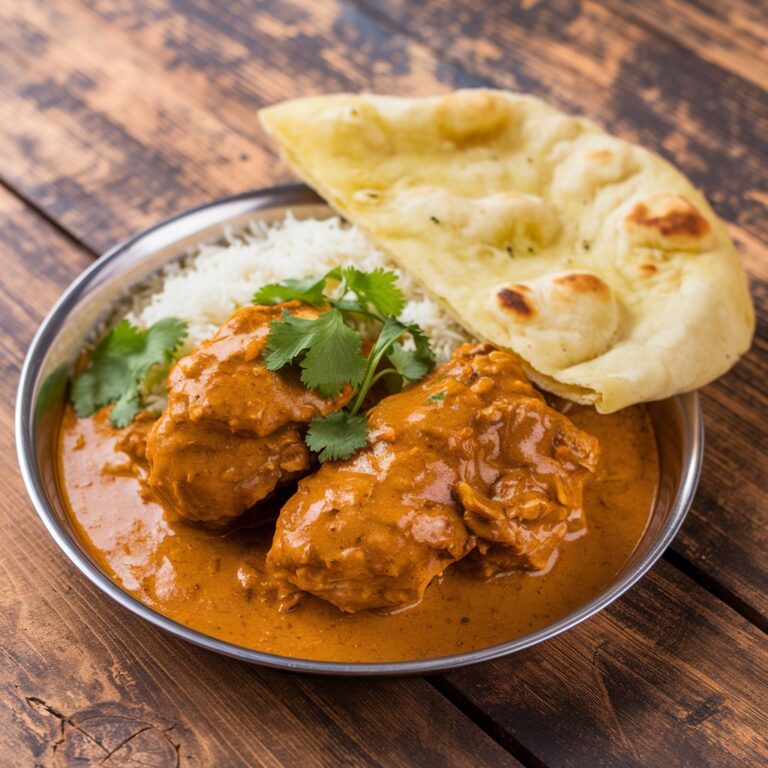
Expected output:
(88, 302)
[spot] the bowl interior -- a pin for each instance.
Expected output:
(89, 301)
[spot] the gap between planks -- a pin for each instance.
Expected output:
(485, 722)
(715, 588)
(47, 217)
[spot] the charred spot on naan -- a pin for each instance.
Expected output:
(514, 299)
(670, 222)
(582, 282)
(571, 316)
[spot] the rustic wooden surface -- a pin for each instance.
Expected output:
(114, 114)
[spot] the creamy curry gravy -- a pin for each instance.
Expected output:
(213, 581)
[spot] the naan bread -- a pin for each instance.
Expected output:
(593, 259)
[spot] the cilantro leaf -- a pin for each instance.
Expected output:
(328, 350)
(390, 332)
(287, 339)
(308, 289)
(408, 363)
(125, 409)
(424, 349)
(119, 363)
(436, 396)
(377, 288)
(333, 358)
(337, 436)
(413, 364)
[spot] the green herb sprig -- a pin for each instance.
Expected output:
(328, 350)
(118, 365)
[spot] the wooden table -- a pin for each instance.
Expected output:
(114, 115)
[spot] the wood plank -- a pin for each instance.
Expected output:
(105, 154)
(82, 678)
(726, 534)
(86, 139)
(662, 678)
(733, 35)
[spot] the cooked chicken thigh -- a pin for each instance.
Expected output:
(470, 460)
(233, 430)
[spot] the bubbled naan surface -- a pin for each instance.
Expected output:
(592, 258)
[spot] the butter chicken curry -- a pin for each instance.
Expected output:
(476, 512)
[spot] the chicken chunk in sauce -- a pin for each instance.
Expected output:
(470, 460)
(233, 430)
(537, 499)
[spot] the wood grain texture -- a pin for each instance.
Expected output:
(211, 66)
(104, 153)
(664, 677)
(116, 114)
(733, 35)
(83, 682)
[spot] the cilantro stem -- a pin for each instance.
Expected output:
(382, 373)
(391, 331)
(374, 358)
(366, 383)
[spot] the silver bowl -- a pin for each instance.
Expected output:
(88, 302)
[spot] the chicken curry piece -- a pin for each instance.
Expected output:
(470, 460)
(233, 430)
(470, 465)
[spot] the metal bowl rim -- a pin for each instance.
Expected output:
(265, 199)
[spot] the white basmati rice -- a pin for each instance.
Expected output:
(207, 287)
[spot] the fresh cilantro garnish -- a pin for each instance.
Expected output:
(378, 289)
(118, 365)
(435, 396)
(328, 350)
(405, 362)
(338, 435)
(413, 364)
(308, 289)
(351, 290)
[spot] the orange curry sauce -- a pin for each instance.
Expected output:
(213, 581)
